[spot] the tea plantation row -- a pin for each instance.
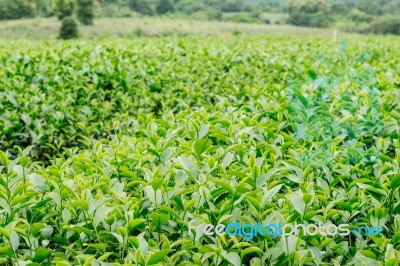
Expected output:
(109, 150)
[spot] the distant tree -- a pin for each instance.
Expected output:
(85, 11)
(69, 28)
(309, 6)
(16, 9)
(26, 8)
(64, 8)
(213, 14)
(164, 6)
(310, 13)
(386, 25)
(392, 7)
(339, 8)
(359, 16)
(189, 6)
(369, 6)
(232, 6)
(214, 4)
(141, 6)
(44, 8)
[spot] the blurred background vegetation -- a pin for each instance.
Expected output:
(353, 16)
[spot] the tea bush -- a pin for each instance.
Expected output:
(110, 149)
(68, 29)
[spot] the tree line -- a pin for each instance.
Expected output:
(365, 16)
(17, 9)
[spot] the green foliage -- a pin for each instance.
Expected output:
(241, 18)
(68, 29)
(45, 8)
(369, 6)
(85, 11)
(64, 8)
(189, 6)
(232, 6)
(309, 6)
(391, 7)
(114, 10)
(358, 16)
(144, 136)
(16, 9)
(142, 7)
(164, 6)
(213, 14)
(317, 20)
(139, 32)
(339, 8)
(386, 25)
(362, 16)
(310, 13)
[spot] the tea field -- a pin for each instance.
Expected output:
(110, 149)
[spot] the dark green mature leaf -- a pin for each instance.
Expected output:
(396, 237)
(395, 182)
(41, 254)
(312, 74)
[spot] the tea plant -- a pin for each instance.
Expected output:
(110, 149)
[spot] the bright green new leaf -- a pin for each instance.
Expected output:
(158, 256)
(201, 146)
